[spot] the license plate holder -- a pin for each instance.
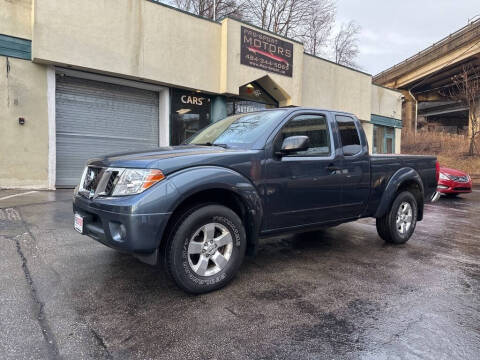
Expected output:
(78, 221)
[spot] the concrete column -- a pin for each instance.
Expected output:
(409, 112)
(470, 116)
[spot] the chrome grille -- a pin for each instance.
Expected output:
(92, 177)
(111, 183)
(462, 179)
(98, 181)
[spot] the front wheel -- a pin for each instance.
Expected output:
(398, 224)
(207, 249)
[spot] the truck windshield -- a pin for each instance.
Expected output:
(236, 130)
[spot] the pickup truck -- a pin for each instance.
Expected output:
(198, 208)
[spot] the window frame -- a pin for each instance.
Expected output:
(340, 135)
(294, 157)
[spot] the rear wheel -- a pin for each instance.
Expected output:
(207, 249)
(398, 224)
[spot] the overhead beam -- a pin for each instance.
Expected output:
(455, 43)
(459, 55)
(433, 96)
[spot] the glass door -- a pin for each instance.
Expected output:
(190, 113)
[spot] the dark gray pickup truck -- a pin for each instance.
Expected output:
(200, 207)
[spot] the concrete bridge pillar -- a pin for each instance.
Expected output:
(474, 112)
(409, 112)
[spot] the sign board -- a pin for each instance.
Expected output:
(266, 52)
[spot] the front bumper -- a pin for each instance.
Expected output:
(454, 187)
(120, 224)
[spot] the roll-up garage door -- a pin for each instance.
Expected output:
(95, 118)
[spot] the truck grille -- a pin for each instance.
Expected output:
(111, 183)
(92, 178)
(98, 181)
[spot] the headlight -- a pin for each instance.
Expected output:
(135, 181)
(444, 177)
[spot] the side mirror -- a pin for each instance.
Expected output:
(294, 144)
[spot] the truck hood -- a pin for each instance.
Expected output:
(172, 158)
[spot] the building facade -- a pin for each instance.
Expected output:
(84, 78)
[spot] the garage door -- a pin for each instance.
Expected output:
(95, 118)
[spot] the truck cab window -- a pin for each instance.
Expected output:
(313, 126)
(348, 135)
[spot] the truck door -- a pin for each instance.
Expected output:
(355, 166)
(302, 188)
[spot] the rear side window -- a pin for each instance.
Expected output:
(313, 126)
(348, 135)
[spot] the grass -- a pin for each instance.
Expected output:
(450, 149)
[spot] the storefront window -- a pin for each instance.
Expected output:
(190, 113)
(383, 139)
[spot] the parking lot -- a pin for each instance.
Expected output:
(340, 293)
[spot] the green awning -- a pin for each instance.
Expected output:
(386, 121)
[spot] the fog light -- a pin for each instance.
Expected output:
(117, 231)
(442, 187)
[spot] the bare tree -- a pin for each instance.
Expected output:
(308, 21)
(297, 19)
(466, 89)
(209, 8)
(319, 27)
(345, 44)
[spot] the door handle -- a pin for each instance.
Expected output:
(332, 168)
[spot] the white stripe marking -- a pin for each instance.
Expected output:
(14, 195)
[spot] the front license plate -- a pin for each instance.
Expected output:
(78, 223)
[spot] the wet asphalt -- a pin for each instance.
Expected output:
(336, 294)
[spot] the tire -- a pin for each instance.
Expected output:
(399, 233)
(198, 266)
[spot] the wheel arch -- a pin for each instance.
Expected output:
(405, 179)
(212, 185)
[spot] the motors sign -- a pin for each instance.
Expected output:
(266, 52)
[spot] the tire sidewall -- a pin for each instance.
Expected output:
(180, 268)
(403, 197)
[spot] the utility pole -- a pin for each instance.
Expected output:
(214, 10)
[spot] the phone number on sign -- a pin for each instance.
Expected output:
(265, 62)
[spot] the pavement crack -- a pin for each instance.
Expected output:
(231, 311)
(47, 333)
(101, 343)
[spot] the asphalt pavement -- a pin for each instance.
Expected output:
(341, 293)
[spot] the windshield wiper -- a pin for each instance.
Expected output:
(225, 146)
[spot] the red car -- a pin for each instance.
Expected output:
(453, 182)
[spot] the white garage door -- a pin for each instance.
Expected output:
(95, 118)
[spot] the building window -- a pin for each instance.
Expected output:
(190, 113)
(383, 139)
